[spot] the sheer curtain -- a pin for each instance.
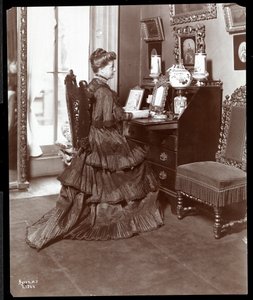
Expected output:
(104, 25)
(40, 25)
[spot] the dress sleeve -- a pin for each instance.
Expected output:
(119, 112)
(107, 111)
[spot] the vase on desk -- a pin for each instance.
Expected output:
(178, 76)
(180, 104)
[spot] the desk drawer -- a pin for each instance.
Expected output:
(142, 134)
(170, 142)
(136, 132)
(162, 156)
(165, 176)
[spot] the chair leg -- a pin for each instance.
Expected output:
(217, 222)
(180, 207)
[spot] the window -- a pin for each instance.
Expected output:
(58, 40)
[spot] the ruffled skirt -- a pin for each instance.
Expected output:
(73, 218)
(102, 198)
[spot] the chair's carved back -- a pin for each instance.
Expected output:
(232, 142)
(77, 105)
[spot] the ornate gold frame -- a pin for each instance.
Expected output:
(209, 11)
(197, 31)
(232, 11)
(162, 82)
(22, 155)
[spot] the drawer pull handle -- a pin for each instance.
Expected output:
(163, 156)
(162, 175)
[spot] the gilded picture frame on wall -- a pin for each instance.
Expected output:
(152, 29)
(191, 12)
(235, 17)
(188, 41)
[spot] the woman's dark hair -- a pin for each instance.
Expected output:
(100, 58)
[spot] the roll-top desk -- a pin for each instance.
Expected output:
(192, 137)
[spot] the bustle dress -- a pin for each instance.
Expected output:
(107, 193)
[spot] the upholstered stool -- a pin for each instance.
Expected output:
(211, 183)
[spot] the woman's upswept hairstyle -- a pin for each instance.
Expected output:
(100, 58)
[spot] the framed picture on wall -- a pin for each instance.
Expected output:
(188, 41)
(191, 12)
(152, 28)
(239, 51)
(235, 17)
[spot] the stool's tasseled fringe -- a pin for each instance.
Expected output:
(210, 194)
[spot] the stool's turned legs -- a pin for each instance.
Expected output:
(180, 207)
(217, 222)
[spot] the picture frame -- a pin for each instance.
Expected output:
(235, 17)
(159, 95)
(239, 51)
(186, 13)
(188, 41)
(134, 99)
(152, 29)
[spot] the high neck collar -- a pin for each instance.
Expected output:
(101, 77)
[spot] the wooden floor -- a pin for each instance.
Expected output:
(180, 258)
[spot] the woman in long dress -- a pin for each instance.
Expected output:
(108, 191)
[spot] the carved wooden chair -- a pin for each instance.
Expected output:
(79, 115)
(219, 183)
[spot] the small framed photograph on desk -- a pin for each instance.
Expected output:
(159, 97)
(134, 99)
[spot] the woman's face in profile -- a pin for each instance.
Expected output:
(107, 71)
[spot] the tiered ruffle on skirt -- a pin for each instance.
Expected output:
(110, 193)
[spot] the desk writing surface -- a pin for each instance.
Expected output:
(155, 124)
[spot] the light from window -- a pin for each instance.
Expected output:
(58, 40)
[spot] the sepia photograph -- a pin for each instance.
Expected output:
(104, 202)
(188, 50)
